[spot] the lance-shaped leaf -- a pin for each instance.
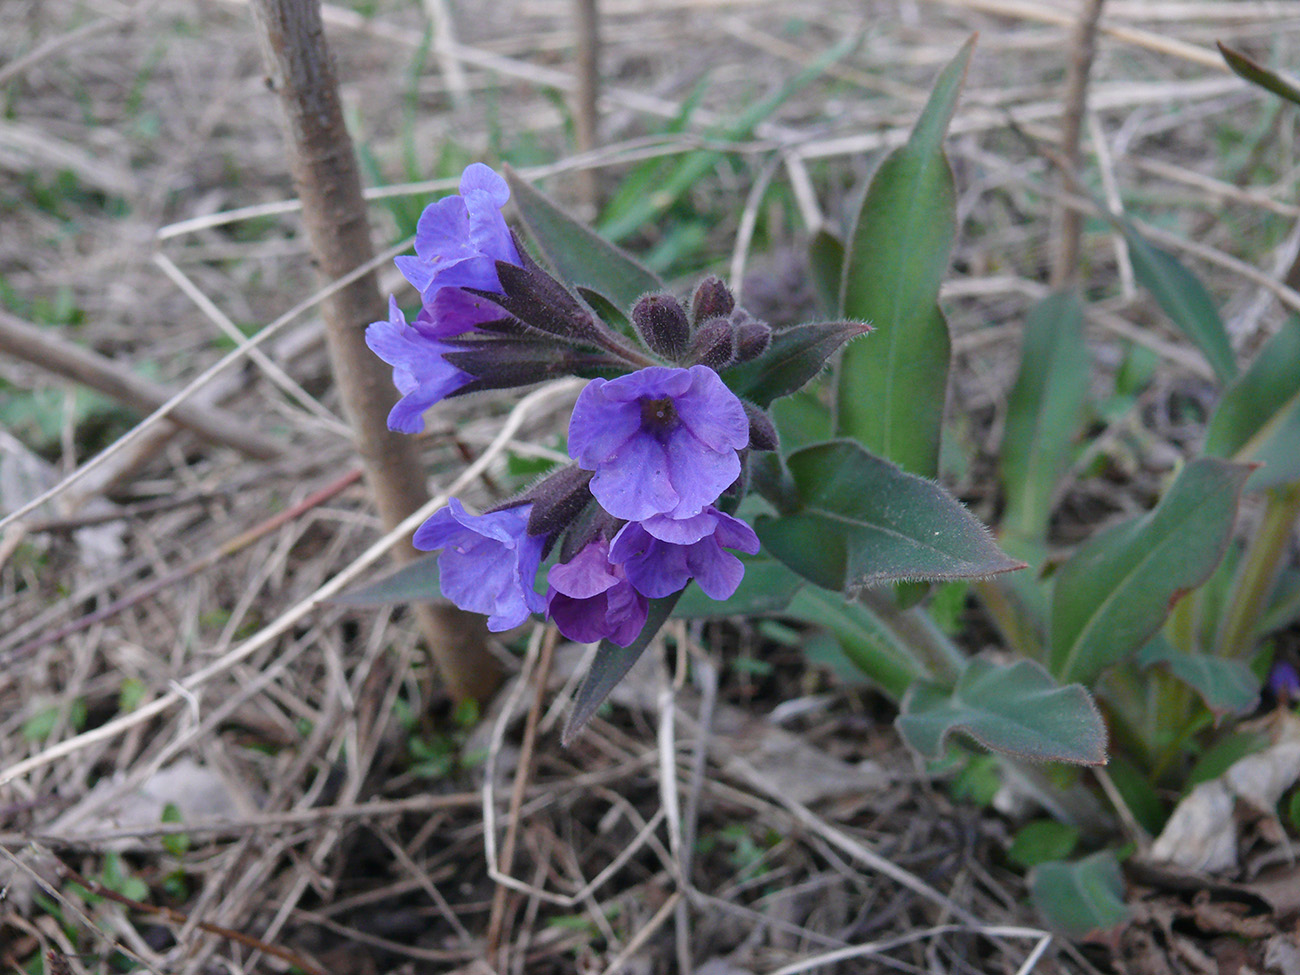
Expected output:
(861, 521)
(415, 582)
(826, 267)
(1227, 686)
(1184, 299)
(892, 392)
(1257, 74)
(1016, 709)
(1044, 412)
(578, 254)
(611, 665)
(1082, 897)
(795, 356)
(1258, 418)
(1114, 593)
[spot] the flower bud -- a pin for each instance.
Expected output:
(714, 345)
(661, 320)
(752, 339)
(557, 500)
(762, 431)
(712, 299)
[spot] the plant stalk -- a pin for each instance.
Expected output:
(301, 71)
(1258, 571)
(918, 633)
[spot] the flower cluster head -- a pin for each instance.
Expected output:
(657, 436)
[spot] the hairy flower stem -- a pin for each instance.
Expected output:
(1258, 571)
(301, 71)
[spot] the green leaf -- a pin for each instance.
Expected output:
(688, 171)
(861, 521)
(892, 392)
(1114, 593)
(415, 582)
(870, 645)
(1227, 686)
(1041, 841)
(1258, 418)
(795, 356)
(826, 266)
(801, 420)
(1184, 299)
(578, 254)
(1016, 709)
(1082, 897)
(767, 587)
(1044, 411)
(611, 665)
(1257, 74)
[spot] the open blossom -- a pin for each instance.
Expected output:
(488, 563)
(459, 239)
(420, 373)
(660, 555)
(590, 598)
(661, 441)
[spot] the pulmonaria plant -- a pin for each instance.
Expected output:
(661, 442)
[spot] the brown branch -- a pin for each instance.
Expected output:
(1069, 222)
(586, 115)
(61, 357)
(325, 175)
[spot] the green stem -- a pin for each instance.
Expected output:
(918, 633)
(1258, 571)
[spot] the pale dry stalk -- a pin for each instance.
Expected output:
(325, 176)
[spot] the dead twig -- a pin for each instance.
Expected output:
(63, 358)
(292, 38)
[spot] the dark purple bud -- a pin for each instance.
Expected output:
(714, 345)
(540, 302)
(753, 338)
(661, 320)
(557, 500)
(506, 363)
(762, 431)
(712, 299)
(592, 523)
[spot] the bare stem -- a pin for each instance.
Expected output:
(586, 120)
(1068, 221)
(325, 175)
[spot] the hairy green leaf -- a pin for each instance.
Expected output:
(1227, 686)
(1257, 74)
(611, 665)
(796, 355)
(862, 521)
(1258, 418)
(1044, 412)
(1184, 299)
(578, 254)
(1016, 709)
(415, 582)
(1081, 897)
(1114, 593)
(891, 394)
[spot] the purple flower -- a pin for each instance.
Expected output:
(420, 373)
(489, 562)
(661, 441)
(459, 239)
(1284, 681)
(660, 555)
(590, 598)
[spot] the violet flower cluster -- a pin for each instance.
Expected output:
(656, 448)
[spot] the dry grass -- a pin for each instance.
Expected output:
(153, 618)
